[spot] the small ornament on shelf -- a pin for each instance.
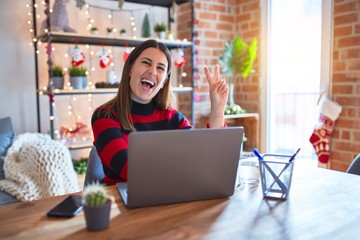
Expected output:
(77, 56)
(110, 31)
(126, 54)
(122, 32)
(145, 29)
(104, 58)
(94, 31)
(179, 58)
(81, 132)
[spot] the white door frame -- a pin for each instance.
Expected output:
(326, 63)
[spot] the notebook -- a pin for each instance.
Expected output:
(172, 166)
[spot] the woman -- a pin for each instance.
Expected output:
(143, 103)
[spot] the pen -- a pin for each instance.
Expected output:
(293, 156)
(256, 152)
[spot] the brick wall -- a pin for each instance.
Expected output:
(346, 83)
(215, 22)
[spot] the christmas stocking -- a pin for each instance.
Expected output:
(320, 138)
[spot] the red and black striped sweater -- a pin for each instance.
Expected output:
(111, 140)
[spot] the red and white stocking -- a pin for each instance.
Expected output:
(320, 138)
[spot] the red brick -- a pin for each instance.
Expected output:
(347, 7)
(350, 112)
(345, 135)
(348, 146)
(338, 66)
(357, 28)
(204, 24)
(251, 6)
(347, 123)
(349, 18)
(346, 157)
(338, 166)
(255, 24)
(350, 53)
(226, 18)
(349, 42)
(342, 31)
(353, 65)
(243, 17)
(340, 77)
(207, 15)
(343, 89)
(356, 136)
(223, 26)
(210, 34)
(335, 55)
(217, 8)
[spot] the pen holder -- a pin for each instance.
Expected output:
(276, 174)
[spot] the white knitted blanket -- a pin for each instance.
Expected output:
(36, 167)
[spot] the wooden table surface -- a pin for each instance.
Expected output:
(323, 204)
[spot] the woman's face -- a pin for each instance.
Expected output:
(148, 75)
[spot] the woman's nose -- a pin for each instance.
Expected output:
(152, 71)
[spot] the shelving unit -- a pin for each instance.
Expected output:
(102, 40)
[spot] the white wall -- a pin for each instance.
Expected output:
(17, 84)
(17, 68)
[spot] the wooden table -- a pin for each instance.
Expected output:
(323, 204)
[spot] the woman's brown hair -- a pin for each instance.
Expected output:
(121, 103)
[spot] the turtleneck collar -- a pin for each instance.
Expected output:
(142, 109)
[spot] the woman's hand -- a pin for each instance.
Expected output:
(219, 91)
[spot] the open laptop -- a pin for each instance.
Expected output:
(172, 166)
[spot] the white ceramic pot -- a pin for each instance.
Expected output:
(78, 82)
(57, 82)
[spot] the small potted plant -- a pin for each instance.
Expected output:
(160, 29)
(57, 79)
(97, 206)
(110, 31)
(78, 77)
(237, 61)
(94, 31)
(122, 32)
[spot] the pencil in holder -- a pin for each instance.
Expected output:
(276, 174)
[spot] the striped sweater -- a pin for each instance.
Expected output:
(111, 140)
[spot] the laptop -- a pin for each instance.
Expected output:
(172, 166)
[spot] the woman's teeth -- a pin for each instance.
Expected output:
(147, 82)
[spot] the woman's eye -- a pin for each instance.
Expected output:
(146, 63)
(161, 69)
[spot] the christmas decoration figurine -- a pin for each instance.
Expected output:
(104, 58)
(179, 58)
(77, 56)
(59, 20)
(320, 138)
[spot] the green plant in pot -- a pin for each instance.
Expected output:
(78, 77)
(160, 29)
(57, 79)
(237, 61)
(97, 206)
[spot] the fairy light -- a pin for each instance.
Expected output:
(29, 22)
(132, 23)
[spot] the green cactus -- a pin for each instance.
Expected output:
(94, 195)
